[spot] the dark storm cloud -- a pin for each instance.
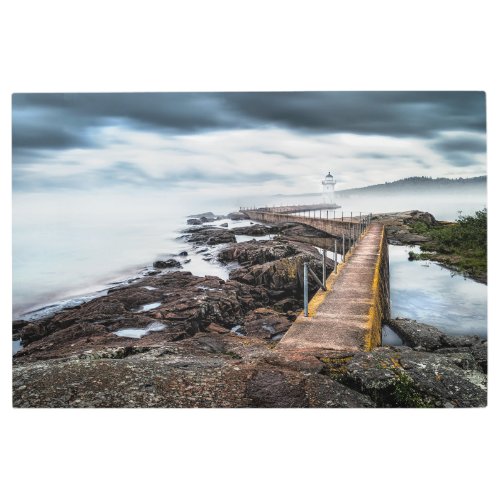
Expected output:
(55, 121)
(460, 150)
(417, 114)
(461, 143)
(32, 135)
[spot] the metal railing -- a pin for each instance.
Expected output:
(318, 213)
(355, 234)
(357, 228)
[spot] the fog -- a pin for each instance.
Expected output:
(447, 204)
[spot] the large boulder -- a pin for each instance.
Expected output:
(403, 377)
(237, 216)
(253, 230)
(282, 275)
(428, 338)
(211, 236)
(206, 216)
(164, 264)
(253, 252)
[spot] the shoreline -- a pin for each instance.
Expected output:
(129, 274)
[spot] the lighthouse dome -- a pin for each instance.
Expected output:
(329, 175)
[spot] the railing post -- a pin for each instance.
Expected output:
(306, 285)
(342, 216)
(335, 259)
(324, 268)
(327, 215)
(343, 247)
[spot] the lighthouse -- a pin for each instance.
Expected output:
(328, 189)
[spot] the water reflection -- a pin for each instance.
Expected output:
(390, 337)
(16, 346)
(431, 294)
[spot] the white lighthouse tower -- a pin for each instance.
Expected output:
(328, 189)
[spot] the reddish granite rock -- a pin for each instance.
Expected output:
(265, 323)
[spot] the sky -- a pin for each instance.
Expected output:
(277, 142)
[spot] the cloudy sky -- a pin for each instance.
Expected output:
(279, 142)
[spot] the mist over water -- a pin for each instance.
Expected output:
(67, 243)
(71, 243)
(444, 205)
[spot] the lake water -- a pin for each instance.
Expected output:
(72, 244)
(429, 293)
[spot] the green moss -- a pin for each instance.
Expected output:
(413, 255)
(461, 245)
(335, 367)
(405, 393)
(419, 227)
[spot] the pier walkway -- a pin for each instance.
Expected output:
(348, 316)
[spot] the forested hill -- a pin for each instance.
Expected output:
(415, 184)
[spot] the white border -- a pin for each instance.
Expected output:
(227, 45)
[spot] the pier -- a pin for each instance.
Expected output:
(347, 315)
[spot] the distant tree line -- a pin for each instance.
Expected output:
(422, 182)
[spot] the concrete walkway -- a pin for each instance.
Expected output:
(343, 317)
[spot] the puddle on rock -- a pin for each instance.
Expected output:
(390, 337)
(137, 333)
(149, 307)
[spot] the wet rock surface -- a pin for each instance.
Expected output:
(216, 345)
(266, 323)
(237, 216)
(403, 377)
(424, 337)
(276, 265)
(255, 230)
(163, 264)
(209, 236)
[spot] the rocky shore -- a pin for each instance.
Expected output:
(419, 228)
(400, 226)
(173, 339)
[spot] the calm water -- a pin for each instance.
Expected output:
(390, 337)
(431, 294)
(72, 244)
